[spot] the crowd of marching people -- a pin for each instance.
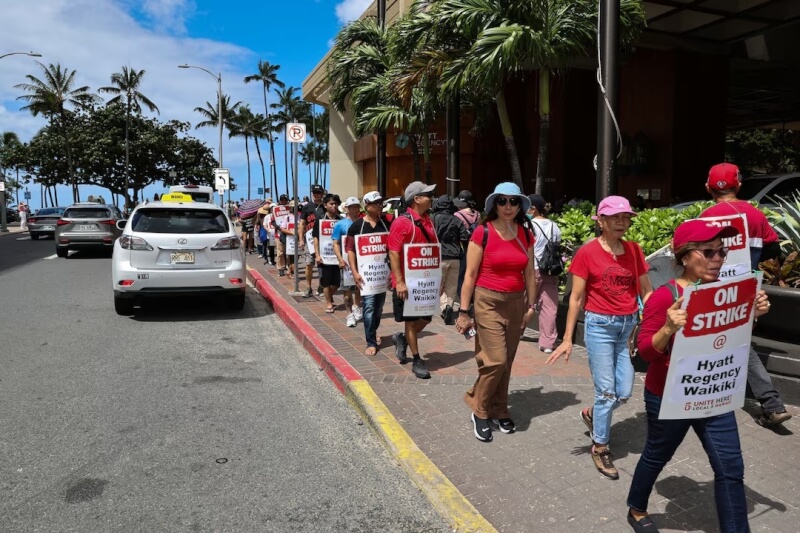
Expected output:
(489, 270)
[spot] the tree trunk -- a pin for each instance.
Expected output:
(415, 157)
(273, 168)
(426, 155)
(55, 193)
(508, 135)
(286, 163)
(247, 155)
(263, 171)
(544, 129)
(50, 195)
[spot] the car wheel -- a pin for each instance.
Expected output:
(123, 306)
(236, 302)
(62, 252)
(34, 236)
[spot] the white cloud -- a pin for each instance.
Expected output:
(169, 15)
(97, 37)
(349, 10)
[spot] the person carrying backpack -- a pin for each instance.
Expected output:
(548, 264)
(471, 218)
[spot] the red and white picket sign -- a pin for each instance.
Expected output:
(738, 261)
(326, 242)
(373, 262)
(423, 271)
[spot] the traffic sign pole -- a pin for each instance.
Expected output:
(3, 214)
(296, 134)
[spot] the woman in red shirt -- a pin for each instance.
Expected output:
(698, 249)
(499, 275)
(609, 274)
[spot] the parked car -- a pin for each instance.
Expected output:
(43, 223)
(11, 214)
(87, 226)
(762, 189)
(177, 247)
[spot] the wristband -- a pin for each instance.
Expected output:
(532, 306)
(463, 312)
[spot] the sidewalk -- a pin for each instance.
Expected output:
(542, 478)
(13, 227)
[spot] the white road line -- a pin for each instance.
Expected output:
(51, 256)
(24, 238)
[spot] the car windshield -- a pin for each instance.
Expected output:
(163, 220)
(48, 211)
(751, 187)
(87, 212)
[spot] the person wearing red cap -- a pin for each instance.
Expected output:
(724, 182)
(609, 275)
(698, 249)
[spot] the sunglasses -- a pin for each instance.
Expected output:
(709, 253)
(502, 201)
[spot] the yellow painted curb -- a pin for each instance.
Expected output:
(444, 496)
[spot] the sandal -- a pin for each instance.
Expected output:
(330, 310)
(643, 525)
(371, 350)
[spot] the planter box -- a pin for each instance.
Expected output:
(780, 324)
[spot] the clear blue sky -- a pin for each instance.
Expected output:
(98, 37)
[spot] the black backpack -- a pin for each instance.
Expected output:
(551, 263)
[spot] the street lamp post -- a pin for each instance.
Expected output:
(217, 77)
(3, 214)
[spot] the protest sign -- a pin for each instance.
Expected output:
(423, 272)
(280, 213)
(738, 261)
(290, 247)
(708, 363)
(326, 242)
(310, 242)
(373, 262)
(347, 274)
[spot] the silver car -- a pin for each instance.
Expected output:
(177, 248)
(43, 223)
(87, 226)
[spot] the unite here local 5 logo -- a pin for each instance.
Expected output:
(712, 311)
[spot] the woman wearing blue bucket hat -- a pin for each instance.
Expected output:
(498, 279)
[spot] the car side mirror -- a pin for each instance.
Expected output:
(121, 224)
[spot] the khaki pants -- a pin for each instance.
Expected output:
(281, 256)
(449, 281)
(498, 321)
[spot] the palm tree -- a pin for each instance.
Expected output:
(479, 45)
(268, 76)
(209, 112)
(290, 109)
(245, 124)
(125, 87)
(50, 97)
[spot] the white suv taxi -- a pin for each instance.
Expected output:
(177, 247)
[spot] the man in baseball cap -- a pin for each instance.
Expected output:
(723, 184)
(413, 227)
(352, 296)
(311, 212)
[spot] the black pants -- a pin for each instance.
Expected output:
(270, 253)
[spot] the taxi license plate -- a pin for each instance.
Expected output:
(182, 258)
(48, 228)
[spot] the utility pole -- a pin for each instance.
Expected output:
(454, 147)
(607, 148)
(380, 162)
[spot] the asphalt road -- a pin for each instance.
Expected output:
(180, 418)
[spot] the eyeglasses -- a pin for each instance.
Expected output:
(502, 201)
(709, 253)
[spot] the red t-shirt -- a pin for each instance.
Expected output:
(758, 226)
(611, 284)
(404, 231)
(503, 264)
(653, 319)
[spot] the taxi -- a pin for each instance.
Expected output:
(177, 246)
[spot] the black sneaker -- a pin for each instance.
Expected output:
(482, 429)
(308, 293)
(419, 369)
(320, 291)
(400, 346)
(643, 525)
(506, 425)
(281, 272)
(447, 315)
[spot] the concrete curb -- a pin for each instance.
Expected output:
(443, 495)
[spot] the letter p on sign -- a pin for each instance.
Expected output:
(296, 132)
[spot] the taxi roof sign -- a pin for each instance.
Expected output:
(176, 197)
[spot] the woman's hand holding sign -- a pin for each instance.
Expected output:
(762, 304)
(676, 317)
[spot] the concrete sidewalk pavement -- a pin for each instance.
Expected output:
(542, 477)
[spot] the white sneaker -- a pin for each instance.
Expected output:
(548, 350)
(351, 321)
(358, 313)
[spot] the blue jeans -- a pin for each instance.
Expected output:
(720, 438)
(606, 338)
(373, 309)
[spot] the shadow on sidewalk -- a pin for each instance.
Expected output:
(532, 403)
(698, 496)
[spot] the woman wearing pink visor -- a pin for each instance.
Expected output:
(609, 274)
